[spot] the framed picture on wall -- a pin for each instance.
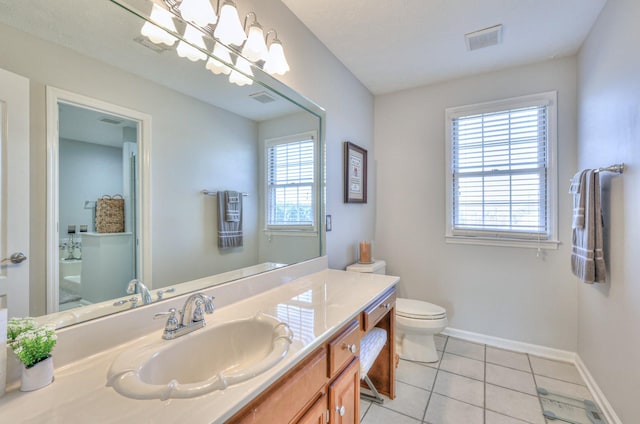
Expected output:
(355, 173)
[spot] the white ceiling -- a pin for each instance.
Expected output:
(396, 44)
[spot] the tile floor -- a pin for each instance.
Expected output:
(473, 384)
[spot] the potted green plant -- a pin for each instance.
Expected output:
(32, 344)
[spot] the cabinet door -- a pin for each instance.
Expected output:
(317, 414)
(344, 396)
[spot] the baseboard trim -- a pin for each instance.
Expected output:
(600, 398)
(537, 350)
(544, 352)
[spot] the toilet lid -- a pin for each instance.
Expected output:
(417, 309)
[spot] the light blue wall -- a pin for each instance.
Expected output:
(609, 132)
(87, 172)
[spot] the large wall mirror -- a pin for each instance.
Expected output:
(128, 117)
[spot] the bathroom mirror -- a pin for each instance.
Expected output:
(205, 133)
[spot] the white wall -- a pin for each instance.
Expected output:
(609, 132)
(87, 171)
(498, 291)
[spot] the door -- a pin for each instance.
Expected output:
(14, 192)
(344, 396)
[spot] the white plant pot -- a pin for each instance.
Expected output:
(38, 376)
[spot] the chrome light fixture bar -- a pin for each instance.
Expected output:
(222, 25)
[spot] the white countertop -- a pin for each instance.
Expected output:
(314, 306)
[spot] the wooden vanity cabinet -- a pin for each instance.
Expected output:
(381, 313)
(344, 396)
(325, 386)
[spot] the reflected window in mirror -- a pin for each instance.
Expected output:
(290, 188)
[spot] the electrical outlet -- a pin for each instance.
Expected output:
(327, 223)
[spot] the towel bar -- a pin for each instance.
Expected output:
(215, 193)
(617, 168)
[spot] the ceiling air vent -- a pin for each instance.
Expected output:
(262, 97)
(483, 38)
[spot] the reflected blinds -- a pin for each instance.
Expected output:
(290, 182)
(499, 163)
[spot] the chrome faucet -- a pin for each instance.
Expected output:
(137, 286)
(189, 319)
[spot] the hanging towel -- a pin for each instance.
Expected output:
(587, 255)
(578, 200)
(229, 232)
(232, 206)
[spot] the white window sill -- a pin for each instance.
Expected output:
(503, 242)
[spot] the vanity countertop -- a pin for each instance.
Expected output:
(314, 306)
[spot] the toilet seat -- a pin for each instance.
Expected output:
(419, 310)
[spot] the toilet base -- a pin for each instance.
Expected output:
(419, 348)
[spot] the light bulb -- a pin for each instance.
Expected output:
(193, 36)
(229, 30)
(154, 31)
(217, 66)
(255, 48)
(240, 79)
(276, 63)
(199, 12)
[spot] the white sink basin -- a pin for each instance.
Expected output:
(211, 358)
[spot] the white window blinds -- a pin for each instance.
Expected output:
(290, 182)
(499, 181)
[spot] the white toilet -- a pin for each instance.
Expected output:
(416, 321)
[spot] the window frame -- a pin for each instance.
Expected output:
(496, 238)
(298, 230)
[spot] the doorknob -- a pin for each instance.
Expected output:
(16, 258)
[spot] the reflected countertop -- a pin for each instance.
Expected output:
(315, 306)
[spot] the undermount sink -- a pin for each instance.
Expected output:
(198, 363)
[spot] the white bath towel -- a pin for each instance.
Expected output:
(587, 254)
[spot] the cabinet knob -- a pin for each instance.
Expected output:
(351, 348)
(341, 410)
(386, 305)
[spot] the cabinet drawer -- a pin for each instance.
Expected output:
(344, 348)
(288, 397)
(378, 309)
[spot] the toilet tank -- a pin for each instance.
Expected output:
(376, 267)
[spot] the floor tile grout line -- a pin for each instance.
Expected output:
(435, 378)
(484, 389)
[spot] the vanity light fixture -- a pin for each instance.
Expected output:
(223, 25)
(238, 77)
(156, 33)
(276, 61)
(218, 66)
(199, 12)
(194, 37)
(229, 29)
(255, 48)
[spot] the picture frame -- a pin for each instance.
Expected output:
(355, 173)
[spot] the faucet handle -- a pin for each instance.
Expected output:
(209, 307)
(172, 320)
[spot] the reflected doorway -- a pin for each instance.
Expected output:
(94, 175)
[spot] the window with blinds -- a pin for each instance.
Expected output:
(500, 180)
(290, 182)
